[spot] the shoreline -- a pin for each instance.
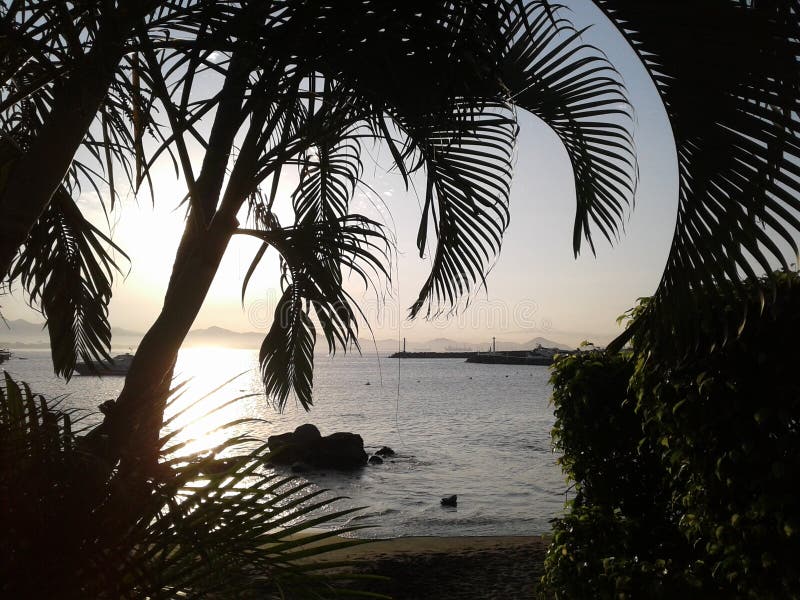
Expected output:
(457, 568)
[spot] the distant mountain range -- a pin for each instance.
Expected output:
(20, 333)
(449, 345)
(24, 334)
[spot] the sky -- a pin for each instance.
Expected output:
(536, 287)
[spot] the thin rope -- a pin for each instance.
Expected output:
(399, 359)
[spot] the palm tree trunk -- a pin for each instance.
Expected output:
(36, 174)
(133, 422)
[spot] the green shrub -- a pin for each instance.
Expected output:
(620, 536)
(729, 426)
(685, 469)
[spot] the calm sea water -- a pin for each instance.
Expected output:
(479, 431)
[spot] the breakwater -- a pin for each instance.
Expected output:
(510, 358)
(465, 354)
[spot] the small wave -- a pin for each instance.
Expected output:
(448, 519)
(537, 448)
(374, 514)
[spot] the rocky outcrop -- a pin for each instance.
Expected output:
(306, 446)
(384, 452)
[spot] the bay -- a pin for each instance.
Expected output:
(479, 431)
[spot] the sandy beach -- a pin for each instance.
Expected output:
(474, 568)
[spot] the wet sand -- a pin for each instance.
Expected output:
(474, 568)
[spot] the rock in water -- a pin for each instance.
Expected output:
(341, 450)
(307, 434)
(375, 460)
(450, 500)
(385, 451)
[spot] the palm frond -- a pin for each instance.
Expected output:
(467, 157)
(222, 522)
(313, 256)
(570, 86)
(727, 72)
(66, 268)
(329, 174)
(287, 354)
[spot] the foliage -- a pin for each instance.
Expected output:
(77, 113)
(684, 470)
(730, 441)
(219, 522)
(619, 536)
(351, 84)
(587, 108)
(726, 71)
(66, 268)
(313, 254)
(305, 86)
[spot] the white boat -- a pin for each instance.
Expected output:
(120, 365)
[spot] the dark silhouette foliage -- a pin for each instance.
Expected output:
(685, 471)
(217, 522)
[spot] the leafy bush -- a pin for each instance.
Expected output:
(729, 428)
(684, 469)
(218, 523)
(619, 534)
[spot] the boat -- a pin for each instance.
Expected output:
(538, 356)
(120, 365)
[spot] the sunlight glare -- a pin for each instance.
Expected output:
(209, 411)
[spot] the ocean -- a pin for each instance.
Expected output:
(479, 431)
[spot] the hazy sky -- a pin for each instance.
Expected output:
(536, 286)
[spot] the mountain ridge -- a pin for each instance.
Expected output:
(226, 338)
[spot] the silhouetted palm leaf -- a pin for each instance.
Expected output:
(66, 269)
(220, 523)
(570, 85)
(727, 71)
(467, 156)
(328, 177)
(313, 255)
(287, 354)
(546, 69)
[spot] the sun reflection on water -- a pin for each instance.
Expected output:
(216, 400)
(220, 399)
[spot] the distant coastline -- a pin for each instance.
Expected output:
(24, 335)
(539, 356)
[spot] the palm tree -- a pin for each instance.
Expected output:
(337, 79)
(72, 104)
(305, 85)
(727, 72)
